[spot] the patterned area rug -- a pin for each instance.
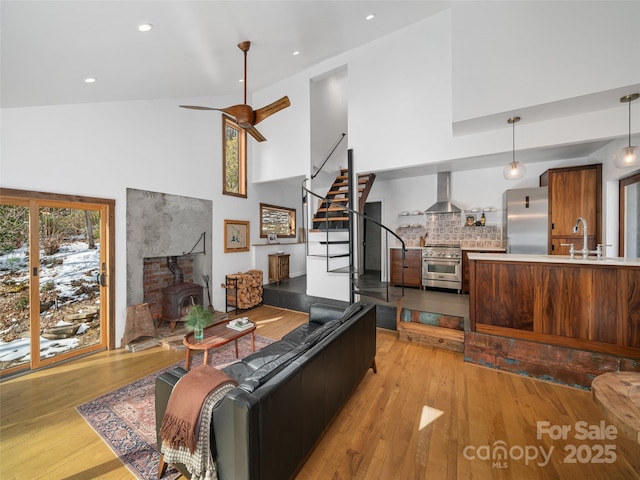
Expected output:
(125, 418)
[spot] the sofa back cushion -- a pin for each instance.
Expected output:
(322, 332)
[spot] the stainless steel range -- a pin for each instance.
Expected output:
(442, 266)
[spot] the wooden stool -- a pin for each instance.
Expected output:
(618, 395)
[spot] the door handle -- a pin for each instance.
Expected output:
(101, 278)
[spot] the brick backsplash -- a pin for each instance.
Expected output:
(450, 228)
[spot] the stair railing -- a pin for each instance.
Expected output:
(328, 156)
(353, 214)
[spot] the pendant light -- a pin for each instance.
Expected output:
(514, 170)
(628, 156)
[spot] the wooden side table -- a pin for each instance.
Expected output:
(618, 396)
(278, 267)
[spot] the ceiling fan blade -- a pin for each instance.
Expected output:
(195, 107)
(255, 134)
(276, 106)
(243, 114)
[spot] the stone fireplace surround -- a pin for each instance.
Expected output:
(160, 225)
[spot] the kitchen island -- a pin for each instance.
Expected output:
(554, 317)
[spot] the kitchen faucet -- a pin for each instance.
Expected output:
(585, 247)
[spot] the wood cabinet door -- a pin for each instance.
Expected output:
(574, 196)
(395, 266)
(412, 267)
(413, 272)
(574, 192)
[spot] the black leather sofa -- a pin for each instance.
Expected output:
(287, 393)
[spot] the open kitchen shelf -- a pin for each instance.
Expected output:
(414, 219)
(492, 217)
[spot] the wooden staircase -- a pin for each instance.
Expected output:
(334, 215)
(331, 234)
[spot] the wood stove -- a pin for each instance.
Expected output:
(176, 301)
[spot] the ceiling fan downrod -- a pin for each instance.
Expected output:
(244, 46)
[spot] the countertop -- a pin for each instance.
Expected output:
(510, 257)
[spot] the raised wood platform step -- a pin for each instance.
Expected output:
(433, 319)
(382, 293)
(439, 337)
(618, 396)
(570, 366)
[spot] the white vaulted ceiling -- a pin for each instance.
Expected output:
(48, 48)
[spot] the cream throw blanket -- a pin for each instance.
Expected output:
(183, 439)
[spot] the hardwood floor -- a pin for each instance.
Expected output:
(382, 432)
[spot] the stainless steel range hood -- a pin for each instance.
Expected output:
(443, 205)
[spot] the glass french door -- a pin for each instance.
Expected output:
(53, 274)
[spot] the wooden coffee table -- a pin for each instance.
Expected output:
(216, 336)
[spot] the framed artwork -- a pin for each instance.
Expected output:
(273, 238)
(280, 221)
(236, 236)
(234, 158)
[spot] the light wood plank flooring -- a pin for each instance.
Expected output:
(384, 431)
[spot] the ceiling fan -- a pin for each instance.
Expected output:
(246, 117)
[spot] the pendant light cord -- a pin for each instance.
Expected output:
(629, 102)
(513, 143)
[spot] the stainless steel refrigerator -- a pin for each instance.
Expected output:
(526, 212)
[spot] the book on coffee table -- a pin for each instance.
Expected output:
(240, 324)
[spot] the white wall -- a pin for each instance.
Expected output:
(285, 154)
(510, 55)
(329, 97)
(401, 95)
(100, 150)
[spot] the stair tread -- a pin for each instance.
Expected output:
(330, 219)
(346, 269)
(331, 209)
(331, 255)
(344, 192)
(361, 181)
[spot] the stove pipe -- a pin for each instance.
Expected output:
(178, 276)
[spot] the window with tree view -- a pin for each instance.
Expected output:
(278, 220)
(234, 158)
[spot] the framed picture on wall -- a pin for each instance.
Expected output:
(236, 236)
(273, 238)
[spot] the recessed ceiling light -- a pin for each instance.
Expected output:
(297, 52)
(371, 16)
(90, 80)
(241, 80)
(145, 27)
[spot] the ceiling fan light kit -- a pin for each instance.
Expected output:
(245, 116)
(514, 170)
(628, 156)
